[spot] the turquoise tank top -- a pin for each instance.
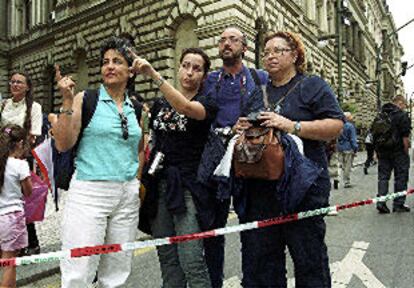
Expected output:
(103, 154)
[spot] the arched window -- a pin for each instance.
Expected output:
(185, 37)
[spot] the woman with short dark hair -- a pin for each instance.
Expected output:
(102, 202)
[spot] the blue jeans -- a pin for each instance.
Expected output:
(184, 262)
(214, 247)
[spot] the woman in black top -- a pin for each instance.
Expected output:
(180, 124)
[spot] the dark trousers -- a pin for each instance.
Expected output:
(399, 162)
(264, 250)
(370, 154)
(33, 240)
(214, 247)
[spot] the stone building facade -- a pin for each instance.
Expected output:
(36, 34)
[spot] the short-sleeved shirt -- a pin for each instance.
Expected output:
(231, 93)
(312, 99)
(11, 197)
(15, 113)
(180, 138)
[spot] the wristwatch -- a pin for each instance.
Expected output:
(159, 82)
(67, 111)
(296, 128)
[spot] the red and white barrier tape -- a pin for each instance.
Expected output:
(113, 248)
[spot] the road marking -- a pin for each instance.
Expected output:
(352, 264)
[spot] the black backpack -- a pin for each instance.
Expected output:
(64, 162)
(383, 132)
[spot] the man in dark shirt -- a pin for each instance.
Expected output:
(395, 158)
(232, 86)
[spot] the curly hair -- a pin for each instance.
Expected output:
(10, 135)
(294, 43)
(120, 45)
(27, 124)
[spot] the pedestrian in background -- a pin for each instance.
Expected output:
(395, 156)
(14, 183)
(21, 110)
(369, 146)
(347, 148)
(102, 202)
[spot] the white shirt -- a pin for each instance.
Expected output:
(11, 196)
(15, 113)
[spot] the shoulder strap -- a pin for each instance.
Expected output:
(256, 78)
(89, 103)
(289, 91)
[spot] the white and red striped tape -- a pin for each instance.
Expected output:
(113, 248)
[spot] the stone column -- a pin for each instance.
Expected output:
(12, 20)
(311, 7)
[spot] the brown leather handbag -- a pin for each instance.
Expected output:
(259, 154)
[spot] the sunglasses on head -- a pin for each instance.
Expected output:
(124, 126)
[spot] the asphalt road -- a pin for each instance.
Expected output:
(366, 249)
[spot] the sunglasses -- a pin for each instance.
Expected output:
(124, 126)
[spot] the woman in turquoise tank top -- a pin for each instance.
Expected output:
(102, 202)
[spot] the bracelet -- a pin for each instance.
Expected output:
(159, 82)
(67, 111)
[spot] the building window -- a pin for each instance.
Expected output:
(27, 15)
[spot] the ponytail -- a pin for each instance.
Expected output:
(10, 135)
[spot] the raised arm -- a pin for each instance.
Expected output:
(66, 126)
(178, 101)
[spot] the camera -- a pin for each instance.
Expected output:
(252, 118)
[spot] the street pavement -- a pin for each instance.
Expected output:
(366, 249)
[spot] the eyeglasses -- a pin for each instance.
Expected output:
(17, 82)
(124, 126)
(233, 40)
(278, 51)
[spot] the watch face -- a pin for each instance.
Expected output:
(297, 126)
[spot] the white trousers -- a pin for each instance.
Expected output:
(96, 213)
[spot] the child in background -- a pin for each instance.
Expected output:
(14, 179)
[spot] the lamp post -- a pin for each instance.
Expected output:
(379, 61)
(339, 43)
